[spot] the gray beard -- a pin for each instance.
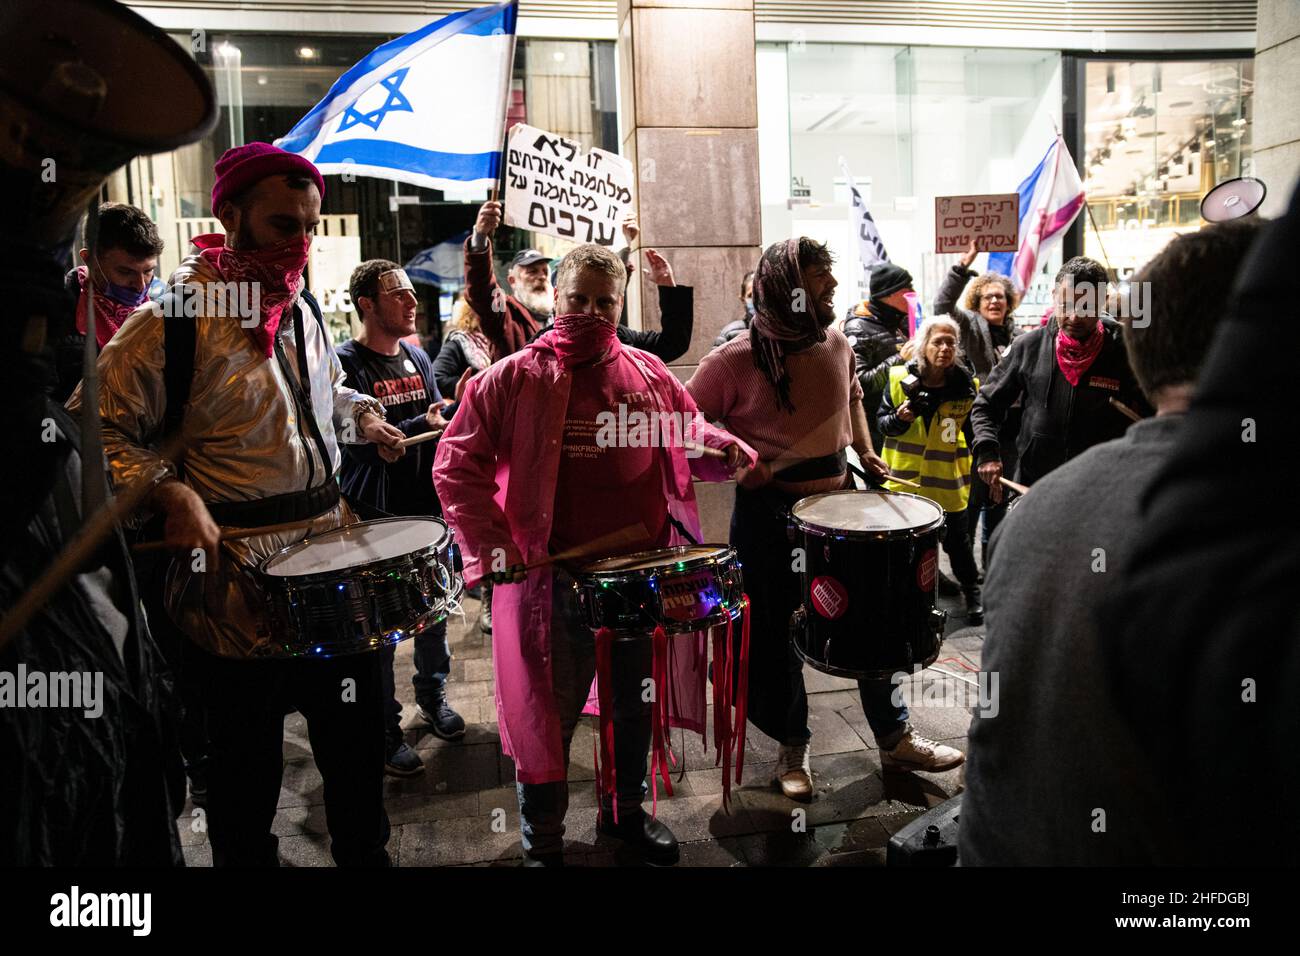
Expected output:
(539, 303)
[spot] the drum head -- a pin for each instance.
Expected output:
(866, 512)
(359, 544)
(649, 560)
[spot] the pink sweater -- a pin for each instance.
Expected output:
(728, 388)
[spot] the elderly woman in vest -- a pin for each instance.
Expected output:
(923, 417)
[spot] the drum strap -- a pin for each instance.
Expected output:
(277, 509)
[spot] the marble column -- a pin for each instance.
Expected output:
(1276, 121)
(690, 126)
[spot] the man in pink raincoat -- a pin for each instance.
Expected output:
(527, 469)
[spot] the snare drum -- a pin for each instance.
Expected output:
(681, 589)
(360, 587)
(868, 582)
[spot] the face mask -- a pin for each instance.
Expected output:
(123, 294)
(579, 338)
(749, 306)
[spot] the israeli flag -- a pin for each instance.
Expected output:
(427, 109)
(441, 265)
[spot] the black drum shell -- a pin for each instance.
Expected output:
(890, 622)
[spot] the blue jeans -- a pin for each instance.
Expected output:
(887, 722)
(432, 665)
(542, 806)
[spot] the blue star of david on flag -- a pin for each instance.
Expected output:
(396, 103)
(376, 118)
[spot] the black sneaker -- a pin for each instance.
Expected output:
(485, 617)
(404, 762)
(442, 719)
(198, 788)
(974, 609)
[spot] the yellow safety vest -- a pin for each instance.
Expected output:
(942, 468)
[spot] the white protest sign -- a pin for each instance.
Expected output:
(992, 222)
(555, 186)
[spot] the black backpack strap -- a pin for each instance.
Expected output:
(179, 340)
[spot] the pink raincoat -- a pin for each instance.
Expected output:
(512, 417)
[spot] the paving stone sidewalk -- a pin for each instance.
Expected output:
(462, 810)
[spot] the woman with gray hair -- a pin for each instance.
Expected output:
(924, 417)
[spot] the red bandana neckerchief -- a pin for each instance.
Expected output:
(1073, 357)
(109, 313)
(275, 270)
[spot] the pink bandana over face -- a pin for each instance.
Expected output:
(109, 313)
(1073, 357)
(579, 338)
(275, 272)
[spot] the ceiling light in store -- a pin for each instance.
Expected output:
(306, 52)
(1209, 142)
(1181, 104)
(559, 56)
(262, 80)
(1239, 121)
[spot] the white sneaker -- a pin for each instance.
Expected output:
(915, 752)
(794, 773)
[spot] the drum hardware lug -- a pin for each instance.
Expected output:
(938, 621)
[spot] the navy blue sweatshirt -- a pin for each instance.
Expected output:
(404, 383)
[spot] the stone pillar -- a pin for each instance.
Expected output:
(690, 126)
(1276, 123)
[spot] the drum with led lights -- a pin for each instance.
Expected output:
(361, 587)
(867, 562)
(681, 589)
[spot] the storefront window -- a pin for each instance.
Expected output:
(1159, 136)
(265, 83)
(912, 124)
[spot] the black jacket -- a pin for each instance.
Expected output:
(731, 330)
(450, 364)
(979, 340)
(875, 352)
(677, 318)
(1059, 420)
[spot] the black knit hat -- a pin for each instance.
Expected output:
(887, 278)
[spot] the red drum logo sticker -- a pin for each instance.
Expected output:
(829, 598)
(925, 570)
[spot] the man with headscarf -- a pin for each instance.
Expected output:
(789, 388)
(263, 411)
(523, 472)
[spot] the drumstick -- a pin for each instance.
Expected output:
(416, 439)
(704, 450)
(1014, 486)
(1126, 410)
(901, 481)
(591, 549)
(234, 534)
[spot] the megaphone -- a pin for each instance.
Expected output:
(85, 86)
(1233, 199)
